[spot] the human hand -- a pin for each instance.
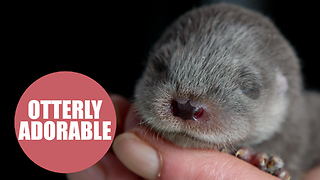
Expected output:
(140, 154)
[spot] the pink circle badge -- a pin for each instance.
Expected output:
(65, 122)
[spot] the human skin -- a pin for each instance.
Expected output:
(150, 157)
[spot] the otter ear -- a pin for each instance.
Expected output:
(282, 84)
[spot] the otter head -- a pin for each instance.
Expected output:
(219, 76)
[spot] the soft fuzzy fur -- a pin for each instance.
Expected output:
(236, 65)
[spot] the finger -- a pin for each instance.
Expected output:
(94, 172)
(152, 158)
(132, 120)
(114, 169)
(109, 164)
(121, 106)
(109, 167)
(137, 156)
(313, 174)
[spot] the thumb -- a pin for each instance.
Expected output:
(151, 158)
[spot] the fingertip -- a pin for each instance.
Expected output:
(132, 119)
(137, 155)
(121, 105)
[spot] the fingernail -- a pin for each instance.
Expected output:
(137, 155)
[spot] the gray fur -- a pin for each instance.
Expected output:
(235, 64)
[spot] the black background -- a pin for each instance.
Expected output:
(109, 42)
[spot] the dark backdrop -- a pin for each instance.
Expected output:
(109, 42)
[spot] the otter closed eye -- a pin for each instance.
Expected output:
(251, 89)
(223, 76)
(249, 84)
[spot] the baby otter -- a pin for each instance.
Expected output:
(222, 76)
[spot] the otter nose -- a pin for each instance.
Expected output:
(186, 111)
